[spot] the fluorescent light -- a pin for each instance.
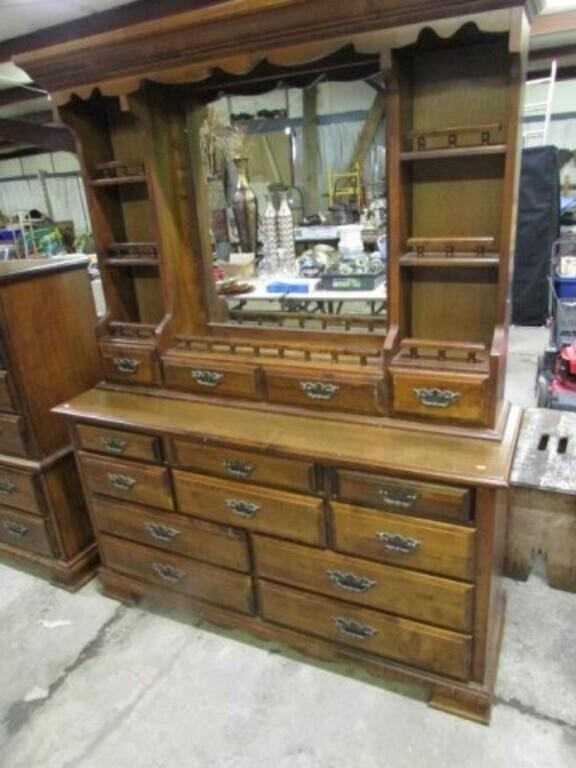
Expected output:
(557, 6)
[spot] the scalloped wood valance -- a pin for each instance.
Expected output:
(235, 35)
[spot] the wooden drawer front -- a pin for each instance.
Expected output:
(245, 465)
(409, 642)
(128, 365)
(204, 378)
(12, 435)
(175, 533)
(406, 496)
(462, 398)
(424, 545)
(396, 590)
(334, 394)
(188, 577)
(6, 399)
(246, 506)
(119, 443)
(128, 481)
(24, 531)
(18, 489)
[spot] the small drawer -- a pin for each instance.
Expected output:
(245, 465)
(180, 574)
(24, 531)
(128, 481)
(450, 397)
(7, 402)
(403, 640)
(333, 393)
(174, 533)
(130, 365)
(12, 435)
(209, 378)
(115, 442)
(18, 488)
(406, 496)
(279, 513)
(424, 545)
(396, 590)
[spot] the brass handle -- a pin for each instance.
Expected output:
(354, 629)
(396, 543)
(350, 582)
(207, 378)
(398, 497)
(319, 390)
(168, 572)
(15, 528)
(126, 364)
(161, 532)
(242, 508)
(114, 445)
(122, 482)
(436, 398)
(7, 487)
(238, 468)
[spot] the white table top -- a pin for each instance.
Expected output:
(259, 293)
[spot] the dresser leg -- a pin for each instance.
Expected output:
(112, 589)
(475, 707)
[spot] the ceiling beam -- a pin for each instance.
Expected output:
(52, 138)
(554, 52)
(19, 93)
(98, 23)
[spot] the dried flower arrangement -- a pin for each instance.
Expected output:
(221, 139)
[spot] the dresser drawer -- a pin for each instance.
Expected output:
(246, 506)
(396, 590)
(179, 574)
(18, 488)
(327, 393)
(205, 378)
(174, 533)
(418, 645)
(454, 397)
(12, 435)
(6, 397)
(425, 545)
(246, 465)
(130, 365)
(115, 442)
(127, 480)
(406, 496)
(24, 531)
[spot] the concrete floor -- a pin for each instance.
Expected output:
(88, 683)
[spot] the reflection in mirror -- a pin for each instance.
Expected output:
(296, 192)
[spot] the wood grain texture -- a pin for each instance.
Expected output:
(117, 442)
(396, 590)
(20, 489)
(130, 481)
(26, 531)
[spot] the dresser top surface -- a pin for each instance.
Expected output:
(23, 269)
(382, 447)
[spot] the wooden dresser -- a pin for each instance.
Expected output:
(333, 483)
(48, 352)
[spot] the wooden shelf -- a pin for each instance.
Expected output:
(443, 154)
(461, 260)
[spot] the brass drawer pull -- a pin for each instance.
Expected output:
(354, 629)
(396, 543)
(238, 468)
(114, 445)
(126, 364)
(319, 390)
(350, 582)
(207, 378)
(242, 508)
(7, 487)
(122, 482)
(436, 398)
(398, 497)
(161, 532)
(168, 572)
(15, 529)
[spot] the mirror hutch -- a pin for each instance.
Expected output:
(324, 480)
